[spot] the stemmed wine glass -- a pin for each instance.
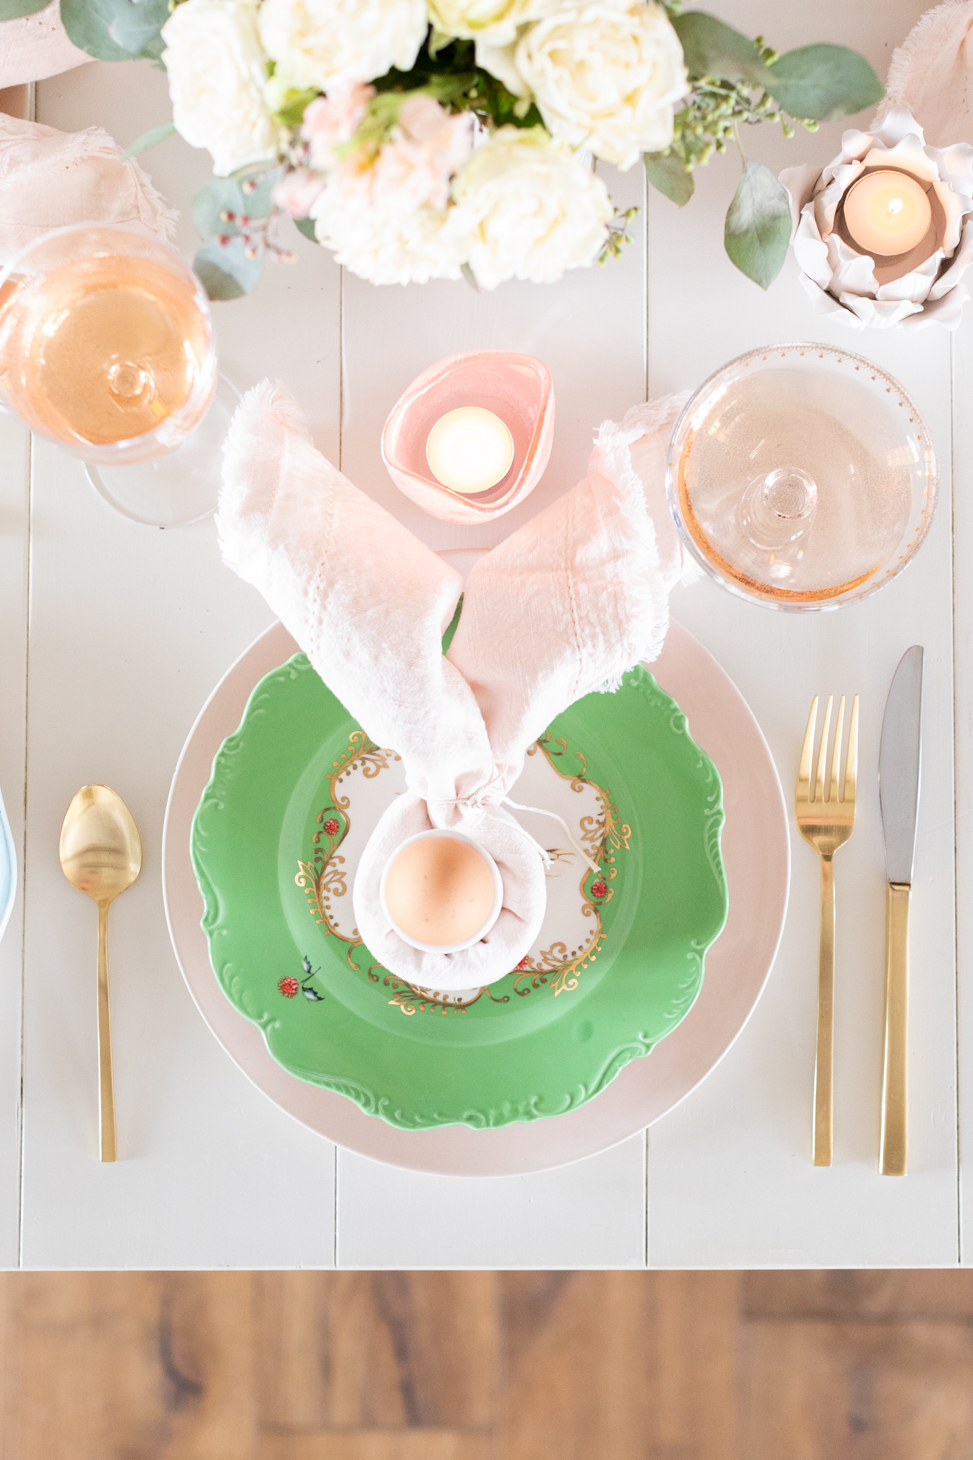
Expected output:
(106, 347)
(802, 476)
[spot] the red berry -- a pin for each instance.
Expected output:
(331, 826)
(289, 987)
(599, 888)
(524, 962)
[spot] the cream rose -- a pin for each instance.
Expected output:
(380, 239)
(492, 21)
(605, 76)
(318, 42)
(217, 69)
(528, 208)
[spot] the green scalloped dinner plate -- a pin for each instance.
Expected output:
(266, 849)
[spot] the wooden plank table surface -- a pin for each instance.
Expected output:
(113, 636)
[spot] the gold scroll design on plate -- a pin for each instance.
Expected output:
(324, 876)
(603, 836)
(556, 968)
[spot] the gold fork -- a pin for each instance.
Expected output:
(825, 819)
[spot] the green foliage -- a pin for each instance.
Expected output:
(737, 82)
(619, 233)
(446, 69)
(227, 271)
(116, 30)
(17, 9)
(823, 82)
(148, 139)
(219, 205)
(231, 214)
(306, 226)
(295, 104)
(711, 48)
(668, 174)
(758, 225)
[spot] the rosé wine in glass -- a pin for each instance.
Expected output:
(106, 347)
(801, 476)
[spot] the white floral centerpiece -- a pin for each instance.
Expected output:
(413, 181)
(434, 139)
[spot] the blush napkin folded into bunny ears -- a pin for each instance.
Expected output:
(561, 608)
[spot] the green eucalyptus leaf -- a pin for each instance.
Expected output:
(758, 225)
(227, 195)
(220, 196)
(148, 139)
(116, 30)
(711, 48)
(668, 175)
(306, 226)
(256, 186)
(823, 82)
(17, 9)
(225, 271)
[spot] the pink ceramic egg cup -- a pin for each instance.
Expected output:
(517, 388)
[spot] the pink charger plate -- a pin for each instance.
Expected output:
(756, 851)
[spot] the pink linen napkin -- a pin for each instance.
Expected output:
(563, 607)
(931, 74)
(50, 178)
(36, 46)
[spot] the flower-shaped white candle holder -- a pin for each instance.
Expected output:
(914, 288)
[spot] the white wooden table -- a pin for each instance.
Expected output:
(112, 636)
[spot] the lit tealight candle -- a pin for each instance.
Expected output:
(887, 213)
(469, 450)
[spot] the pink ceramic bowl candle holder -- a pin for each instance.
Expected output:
(517, 388)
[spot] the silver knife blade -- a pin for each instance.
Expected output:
(898, 765)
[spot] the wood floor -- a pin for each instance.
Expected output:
(487, 1366)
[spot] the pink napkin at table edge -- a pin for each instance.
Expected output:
(50, 178)
(34, 47)
(931, 74)
(563, 607)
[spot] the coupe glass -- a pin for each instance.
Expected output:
(801, 477)
(106, 347)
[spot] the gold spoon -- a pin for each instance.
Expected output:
(101, 856)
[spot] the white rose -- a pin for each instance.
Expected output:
(380, 239)
(217, 69)
(529, 208)
(492, 21)
(605, 76)
(318, 42)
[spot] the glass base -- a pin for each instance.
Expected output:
(181, 487)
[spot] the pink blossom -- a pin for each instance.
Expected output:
(426, 148)
(333, 119)
(298, 191)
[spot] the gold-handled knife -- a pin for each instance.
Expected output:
(898, 784)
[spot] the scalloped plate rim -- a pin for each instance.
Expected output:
(387, 1107)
